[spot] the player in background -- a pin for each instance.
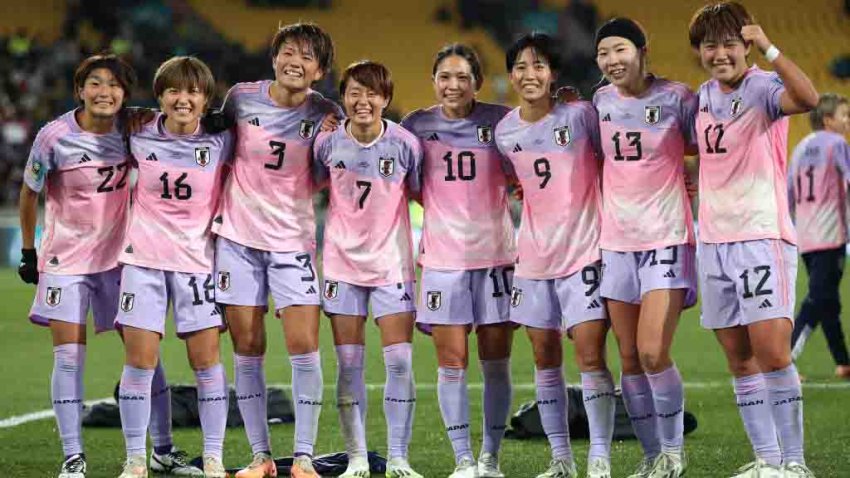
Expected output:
(371, 166)
(266, 228)
(467, 253)
(817, 196)
(647, 237)
(747, 255)
(81, 162)
(555, 151)
(167, 256)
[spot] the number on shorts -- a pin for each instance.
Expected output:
(304, 259)
(653, 259)
(507, 271)
(209, 290)
(590, 277)
(764, 273)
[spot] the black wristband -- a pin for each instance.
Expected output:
(28, 256)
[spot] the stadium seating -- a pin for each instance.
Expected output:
(40, 18)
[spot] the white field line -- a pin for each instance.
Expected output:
(48, 413)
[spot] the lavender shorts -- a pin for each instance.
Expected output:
(68, 298)
(559, 304)
(146, 294)
(627, 276)
(746, 282)
(245, 276)
(348, 299)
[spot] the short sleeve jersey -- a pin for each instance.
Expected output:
(178, 190)
(267, 201)
(367, 239)
(645, 204)
(817, 190)
(557, 161)
(464, 190)
(84, 176)
(743, 136)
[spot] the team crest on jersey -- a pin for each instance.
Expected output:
(562, 136)
(306, 129)
(54, 296)
(223, 280)
(434, 300)
(485, 134)
(516, 296)
(651, 114)
(202, 156)
(331, 289)
(128, 300)
(386, 166)
(737, 105)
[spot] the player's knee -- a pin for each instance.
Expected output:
(630, 361)
(654, 360)
(453, 359)
(590, 360)
(743, 367)
(252, 345)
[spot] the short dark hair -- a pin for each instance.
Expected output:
(123, 72)
(370, 74)
(542, 45)
(309, 35)
(465, 52)
(827, 106)
(718, 22)
(184, 72)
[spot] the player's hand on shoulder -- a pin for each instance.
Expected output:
(567, 94)
(135, 118)
(330, 122)
(755, 35)
(28, 270)
(516, 189)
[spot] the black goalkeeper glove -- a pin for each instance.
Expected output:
(28, 270)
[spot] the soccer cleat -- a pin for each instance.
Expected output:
(843, 371)
(669, 465)
(262, 466)
(74, 467)
(644, 469)
(797, 470)
(488, 466)
(599, 468)
(174, 463)
(302, 467)
(358, 467)
(135, 467)
(213, 467)
(399, 468)
(560, 469)
(759, 469)
(466, 468)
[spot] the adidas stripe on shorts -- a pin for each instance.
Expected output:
(627, 276)
(343, 298)
(561, 303)
(745, 282)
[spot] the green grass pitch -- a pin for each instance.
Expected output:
(716, 449)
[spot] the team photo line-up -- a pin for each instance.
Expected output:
(221, 216)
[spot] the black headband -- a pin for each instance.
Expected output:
(622, 27)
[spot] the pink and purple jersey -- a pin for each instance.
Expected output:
(817, 190)
(645, 204)
(179, 184)
(367, 240)
(464, 190)
(557, 161)
(85, 177)
(743, 137)
(267, 202)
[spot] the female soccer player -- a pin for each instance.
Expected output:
(266, 239)
(467, 252)
(647, 237)
(167, 257)
(81, 160)
(372, 167)
(555, 152)
(747, 259)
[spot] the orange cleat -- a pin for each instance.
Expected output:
(261, 467)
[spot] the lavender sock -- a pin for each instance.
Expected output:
(66, 391)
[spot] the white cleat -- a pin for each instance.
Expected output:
(488, 466)
(759, 469)
(400, 468)
(466, 468)
(669, 465)
(135, 467)
(73, 467)
(560, 469)
(644, 469)
(213, 467)
(174, 463)
(798, 470)
(358, 467)
(599, 468)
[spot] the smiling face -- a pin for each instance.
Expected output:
(296, 66)
(101, 94)
(725, 60)
(620, 61)
(363, 105)
(184, 106)
(531, 76)
(454, 83)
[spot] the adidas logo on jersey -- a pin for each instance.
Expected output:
(340, 165)
(54, 261)
(594, 305)
(704, 109)
(607, 117)
(433, 137)
(670, 274)
(151, 157)
(405, 298)
(311, 290)
(218, 220)
(129, 249)
(766, 304)
(85, 158)
(255, 122)
(517, 148)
